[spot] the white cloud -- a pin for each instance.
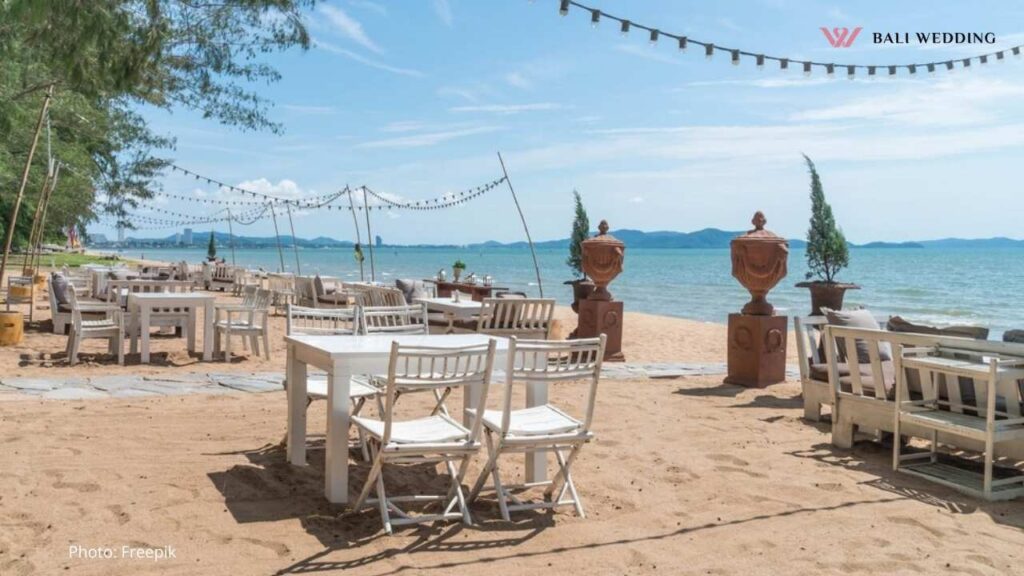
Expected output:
(647, 52)
(636, 200)
(348, 27)
(375, 7)
(728, 24)
(518, 80)
(367, 61)
(506, 109)
(444, 12)
(308, 109)
(947, 102)
(427, 138)
(403, 126)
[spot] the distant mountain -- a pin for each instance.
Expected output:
(706, 238)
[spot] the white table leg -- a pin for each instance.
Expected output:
(190, 329)
(144, 331)
(537, 462)
(296, 375)
(336, 465)
(133, 328)
(208, 331)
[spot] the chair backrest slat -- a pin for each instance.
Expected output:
(405, 319)
(522, 317)
(332, 321)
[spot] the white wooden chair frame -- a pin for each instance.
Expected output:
(860, 408)
(426, 368)
(222, 277)
(12, 300)
(528, 318)
(531, 362)
(247, 319)
(61, 319)
(816, 393)
(110, 327)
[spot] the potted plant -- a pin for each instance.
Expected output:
(211, 249)
(827, 252)
(581, 286)
(457, 269)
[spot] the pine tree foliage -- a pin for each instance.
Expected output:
(580, 232)
(827, 251)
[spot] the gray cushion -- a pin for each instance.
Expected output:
(318, 285)
(857, 319)
(1014, 336)
(60, 287)
(897, 324)
(412, 289)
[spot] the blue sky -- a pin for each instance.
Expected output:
(414, 99)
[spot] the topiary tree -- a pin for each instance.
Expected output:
(580, 232)
(827, 252)
(211, 248)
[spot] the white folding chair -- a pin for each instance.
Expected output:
(109, 327)
(247, 319)
(521, 317)
(436, 438)
(405, 319)
(544, 428)
(21, 290)
(331, 322)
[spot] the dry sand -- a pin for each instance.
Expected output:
(686, 476)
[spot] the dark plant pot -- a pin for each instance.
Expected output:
(826, 295)
(581, 289)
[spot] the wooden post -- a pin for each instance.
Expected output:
(231, 237)
(277, 235)
(369, 238)
(295, 246)
(26, 268)
(24, 182)
(355, 219)
(533, 252)
(42, 220)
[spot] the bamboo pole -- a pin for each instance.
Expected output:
(231, 237)
(277, 235)
(295, 246)
(24, 182)
(42, 220)
(369, 238)
(533, 252)
(355, 219)
(26, 268)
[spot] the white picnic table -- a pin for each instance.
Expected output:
(142, 304)
(343, 356)
(462, 309)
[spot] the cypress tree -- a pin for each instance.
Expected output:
(580, 232)
(827, 252)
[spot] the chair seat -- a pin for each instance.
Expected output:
(360, 387)
(99, 324)
(537, 421)
(223, 324)
(430, 430)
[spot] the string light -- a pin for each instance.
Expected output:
(736, 54)
(830, 69)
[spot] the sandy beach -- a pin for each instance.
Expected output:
(687, 475)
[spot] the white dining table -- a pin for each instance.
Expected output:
(343, 356)
(462, 309)
(142, 304)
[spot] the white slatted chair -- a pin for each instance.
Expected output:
(248, 319)
(520, 317)
(61, 315)
(332, 322)
(109, 327)
(81, 278)
(436, 438)
(541, 428)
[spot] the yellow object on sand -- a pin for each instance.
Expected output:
(12, 328)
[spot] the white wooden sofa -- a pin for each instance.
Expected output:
(864, 398)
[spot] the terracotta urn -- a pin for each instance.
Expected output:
(602, 260)
(759, 260)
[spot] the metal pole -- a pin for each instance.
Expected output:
(231, 237)
(369, 237)
(295, 246)
(24, 182)
(277, 235)
(536, 267)
(355, 219)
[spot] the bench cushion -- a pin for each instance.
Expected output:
(898, 324)
(857, 319)
(819, 372)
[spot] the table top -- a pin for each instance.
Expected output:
(449, 305)
(171, 296)
(380, 344)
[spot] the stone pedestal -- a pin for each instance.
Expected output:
(602, 317)
(757, 350)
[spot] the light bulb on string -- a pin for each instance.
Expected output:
(830, 69)
(654, 37)
(967, 62)
(892, 70)
(784, 64)
(912, 69)
(760, 61)
(850, 71)
(807, 68)
(999, 55)
(682, 43)
(595, 18)
(931, 68)
(735, 57)
(624, 28)
(563, 8)
(709, 51)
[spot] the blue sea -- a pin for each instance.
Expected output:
(936, 286)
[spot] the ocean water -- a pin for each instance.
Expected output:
(937, 286)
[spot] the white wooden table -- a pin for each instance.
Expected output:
(343, 356)
(141, 306)
(464, 309)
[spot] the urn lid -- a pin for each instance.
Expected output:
(759, 234)
(603, 238)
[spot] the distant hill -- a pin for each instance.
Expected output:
(706, 238)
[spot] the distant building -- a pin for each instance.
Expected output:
(177, 238)
(186, 237)
(378, 242)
